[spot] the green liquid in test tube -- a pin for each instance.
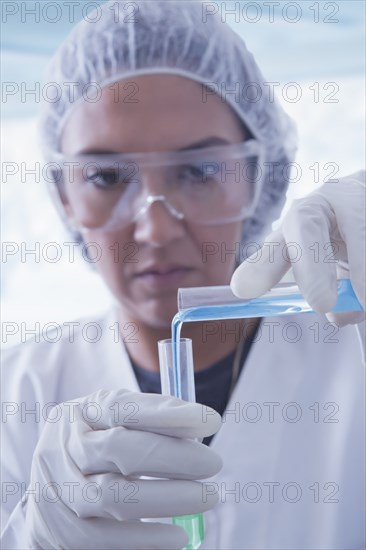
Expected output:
(179, 382)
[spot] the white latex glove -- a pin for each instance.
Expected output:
(99, 497)
(328, 228)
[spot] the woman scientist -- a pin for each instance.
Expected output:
(287, 464)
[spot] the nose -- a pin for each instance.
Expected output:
(158, 223)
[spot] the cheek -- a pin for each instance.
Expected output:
(219, 248)
(118, 253)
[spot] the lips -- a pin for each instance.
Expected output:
(159, 277)
(162, 270)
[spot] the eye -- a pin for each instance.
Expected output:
(107, 179)
(192, 173)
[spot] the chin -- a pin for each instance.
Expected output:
(155, 313)
(156, 319)
(159, 314)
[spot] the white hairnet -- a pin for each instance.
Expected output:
(174, 37)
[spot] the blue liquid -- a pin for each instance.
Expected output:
(281, 304)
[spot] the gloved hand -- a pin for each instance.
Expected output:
(323, 237)
(87, 465)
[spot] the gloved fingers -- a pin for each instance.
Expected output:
(262, 270)
(112, 496)
(110, 534)
(346, 318)
(298, 244)
(353, 231)
(136, 453)
(307, 228)
(69, 531)
(150, 412)
(341, 319)
(134, 535)
(320, 231)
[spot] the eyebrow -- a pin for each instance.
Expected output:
(207, 142)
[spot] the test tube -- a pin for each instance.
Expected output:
(284, 293)
(180, 383)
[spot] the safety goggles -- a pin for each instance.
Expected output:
(204, 186)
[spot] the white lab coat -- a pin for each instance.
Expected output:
(292, 444)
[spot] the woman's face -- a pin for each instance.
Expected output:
(145, 263)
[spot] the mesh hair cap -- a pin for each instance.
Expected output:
(174, 37)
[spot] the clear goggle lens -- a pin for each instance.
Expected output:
(207, 186)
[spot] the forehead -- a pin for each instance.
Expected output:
(149, 113)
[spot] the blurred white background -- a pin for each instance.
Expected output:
(326, 56)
